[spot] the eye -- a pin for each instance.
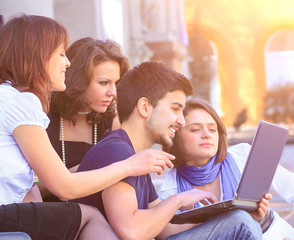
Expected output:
(62, 54)
(195, 129)
(175, 109)
(212, 130)
(103, 83)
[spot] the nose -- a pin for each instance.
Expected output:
(181, 120)
(67, 62)
(206, 133)
(111, 90)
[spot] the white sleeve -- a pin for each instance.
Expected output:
(23, 109)
(283, 184)
(240, 153)
(169, 186)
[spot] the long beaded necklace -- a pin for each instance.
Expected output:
(62, 138)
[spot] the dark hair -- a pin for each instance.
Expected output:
(85, 54)
(151, 80)
(191, 105)
(1, 20)
(26, 44)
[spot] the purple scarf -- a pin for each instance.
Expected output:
(189, 176)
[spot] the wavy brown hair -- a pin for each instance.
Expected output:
(85, 54)
(26, 44)
(191, 105)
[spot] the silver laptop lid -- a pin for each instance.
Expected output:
(266, 150)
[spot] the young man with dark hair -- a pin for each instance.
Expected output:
(151, 98)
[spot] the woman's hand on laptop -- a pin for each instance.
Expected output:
(263, 207)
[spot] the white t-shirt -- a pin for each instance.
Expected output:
(16, 108)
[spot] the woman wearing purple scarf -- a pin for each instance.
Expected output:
(203, 162)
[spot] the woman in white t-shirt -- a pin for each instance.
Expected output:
(32, 64)
(204, 161)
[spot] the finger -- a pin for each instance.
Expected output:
(163, 157)
(268, 196)
(261, 213)
(265, 202)
(262, 210)
(157, 169)
(212, 198)
(160, 163)
(160, 152)
(169, 163)
(168, 155)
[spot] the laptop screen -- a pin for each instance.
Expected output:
(264, 156)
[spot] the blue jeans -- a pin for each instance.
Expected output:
(236, 224)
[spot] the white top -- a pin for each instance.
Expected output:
(283, 184)
(239, 152)
(16, 108)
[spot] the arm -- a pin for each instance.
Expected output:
(35, 145)
(283, 184)
(129, 222)
(44, 191)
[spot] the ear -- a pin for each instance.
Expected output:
(144, 107)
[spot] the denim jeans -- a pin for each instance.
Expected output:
(236, 224)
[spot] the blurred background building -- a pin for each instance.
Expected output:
(239, 57)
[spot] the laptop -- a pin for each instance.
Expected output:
(264, 156)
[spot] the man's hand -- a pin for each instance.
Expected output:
(148, 161)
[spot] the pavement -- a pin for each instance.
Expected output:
(245, 134)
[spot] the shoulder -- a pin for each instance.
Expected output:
(239, 149)
(115, 142)
(111, 149)
(240, 153)
(22, 109)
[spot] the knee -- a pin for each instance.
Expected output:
(90, 213)
(242, 217)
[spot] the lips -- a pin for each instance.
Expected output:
(206, 145)
(106, 103)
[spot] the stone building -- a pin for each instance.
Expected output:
(250, 41)
(146, 29)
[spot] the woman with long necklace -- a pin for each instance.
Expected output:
(80, 115)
